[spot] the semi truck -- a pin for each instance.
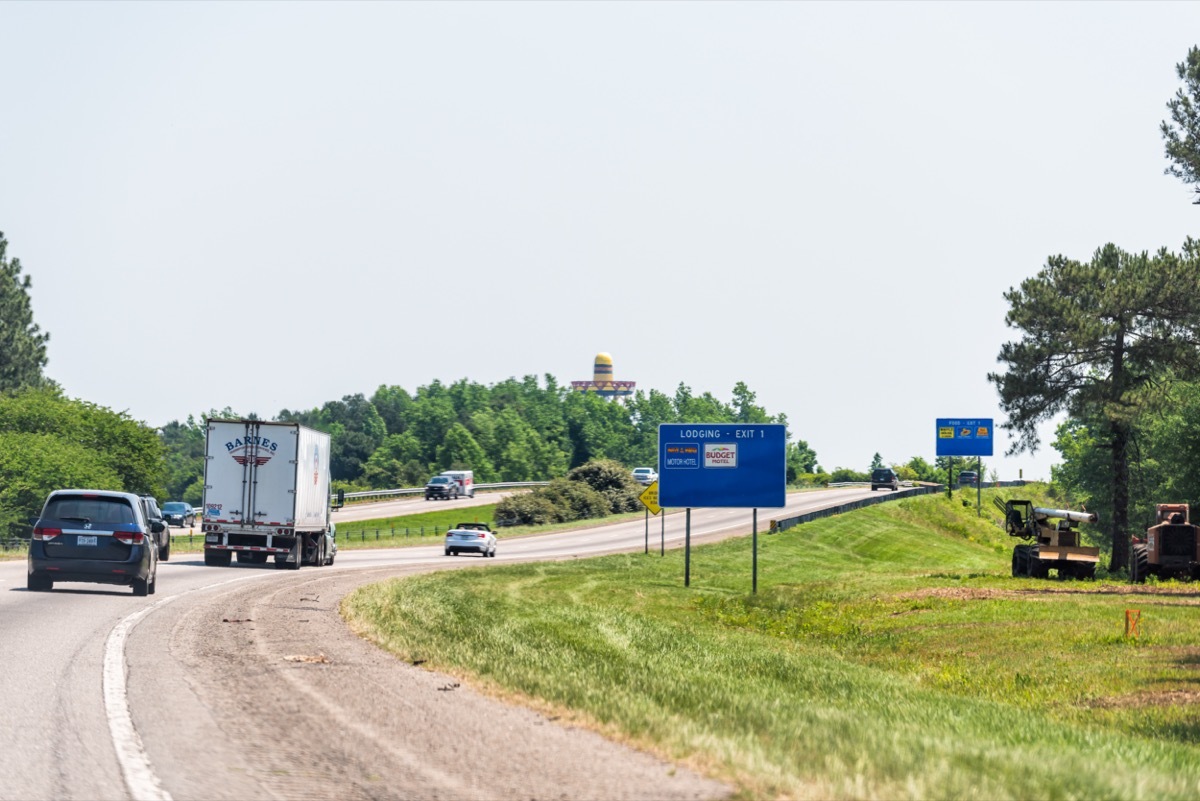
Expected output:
(266, 494)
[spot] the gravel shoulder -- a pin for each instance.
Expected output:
(282, 701)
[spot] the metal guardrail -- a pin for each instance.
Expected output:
(808, 517)
(924, 489)
(14, 544)
(392, 493)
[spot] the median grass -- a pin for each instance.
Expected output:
(888, 654)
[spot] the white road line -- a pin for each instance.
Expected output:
(140, 779)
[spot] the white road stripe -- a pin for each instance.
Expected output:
(140, 779)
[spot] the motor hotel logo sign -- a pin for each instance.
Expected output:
(720, 454)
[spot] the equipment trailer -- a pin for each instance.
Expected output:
(1054, 546)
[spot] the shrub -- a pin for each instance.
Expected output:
(612, 480)
(575, 500)
(529, 509)
(841, 474)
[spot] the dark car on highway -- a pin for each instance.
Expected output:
(94, 536)
(443, 487)
(884, 478)
(180, 514)
(968, 478)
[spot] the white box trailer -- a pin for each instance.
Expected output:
(465, 479)
(266, 493)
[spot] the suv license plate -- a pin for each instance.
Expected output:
(85, 540)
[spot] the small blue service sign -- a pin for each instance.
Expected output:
(964, 436)
(740, 465)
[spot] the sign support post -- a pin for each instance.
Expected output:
(687, 550)
(978, 486)
(754, 560)
(647, 529)
(662, 535)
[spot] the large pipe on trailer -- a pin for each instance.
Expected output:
(1066, 514)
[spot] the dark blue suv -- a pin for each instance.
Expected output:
(96, 536)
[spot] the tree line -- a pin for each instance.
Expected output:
(516, 430)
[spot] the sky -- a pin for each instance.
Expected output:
(264, 206)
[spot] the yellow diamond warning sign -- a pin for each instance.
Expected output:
(649, 498)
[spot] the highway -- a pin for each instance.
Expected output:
(242, 683)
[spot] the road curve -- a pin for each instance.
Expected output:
(243, 683)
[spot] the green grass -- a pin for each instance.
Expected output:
(888, 654)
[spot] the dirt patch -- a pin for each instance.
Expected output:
(1187, 595)
(1145, 699)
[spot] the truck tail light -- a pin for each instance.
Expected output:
(129, 537)
(44, 534)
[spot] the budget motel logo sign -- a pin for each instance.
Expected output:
(720, 454)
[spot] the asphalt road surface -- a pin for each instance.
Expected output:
(413, 504)
(243, 683)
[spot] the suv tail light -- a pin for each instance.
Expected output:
(129, 537)
(40, 533)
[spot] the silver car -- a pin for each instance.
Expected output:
(476, 539)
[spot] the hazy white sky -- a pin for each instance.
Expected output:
(272, 205)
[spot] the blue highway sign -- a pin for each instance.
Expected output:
(964, 436)
(722, 464)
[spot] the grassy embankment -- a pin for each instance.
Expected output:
(888, 654)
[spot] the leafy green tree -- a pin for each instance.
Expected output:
(924, 471)
(1098, 340)
(648, 411)
(744, 408)
(22, 343)
(598, 428)
(183, 444)
(393, 405)
(48, 441)
(396, 463)
(34, 464)
(876, 462)
(702, 409)
(460, 451)
(1182, 133)
(801, 460)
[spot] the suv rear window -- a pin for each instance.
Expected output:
(883, 474)
(92, 510)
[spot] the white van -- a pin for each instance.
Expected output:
(465, 479)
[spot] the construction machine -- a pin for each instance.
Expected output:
(1053, 536)
(1171, 546)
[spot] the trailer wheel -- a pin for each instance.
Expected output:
(1139, 564)
(1020, 561)
(1086, 570)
